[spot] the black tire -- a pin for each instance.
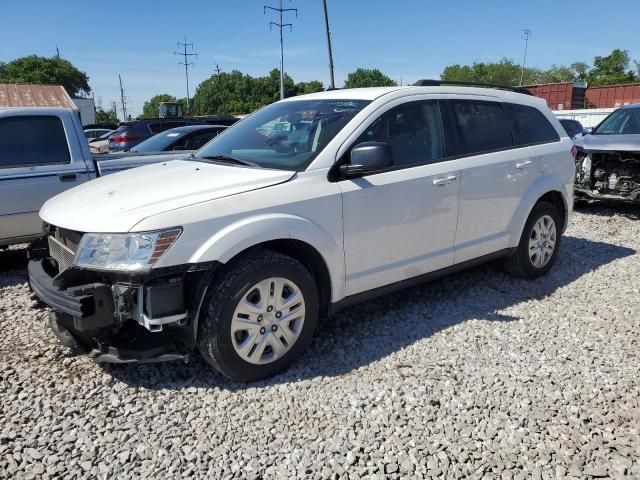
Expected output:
(520, 264)
(228, 288)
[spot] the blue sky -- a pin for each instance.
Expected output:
(408, 39)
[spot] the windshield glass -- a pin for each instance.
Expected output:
(158, 143)
(625, 121)
(287, 135)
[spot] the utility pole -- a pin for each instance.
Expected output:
(57, 53)
(217, 69)
(281, 26)
(527, 34)
(124, 103)
(332, 84)
(186, 62)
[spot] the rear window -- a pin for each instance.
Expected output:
(530, 126)
(478, 127)
(32, 140)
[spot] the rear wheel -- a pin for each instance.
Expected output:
(260, 315)
(539, 243)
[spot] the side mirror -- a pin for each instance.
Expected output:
(587, 131)
(368, 157)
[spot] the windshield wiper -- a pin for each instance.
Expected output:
(228, 159)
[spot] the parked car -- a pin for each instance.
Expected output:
(239, 252)
(94, 133)
(100, 144)
(573, 128)
(130, 134)
(43, 152)
(185, 139)
(608, 162)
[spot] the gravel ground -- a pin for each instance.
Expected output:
(476, 375)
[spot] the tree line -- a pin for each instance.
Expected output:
(236, 93)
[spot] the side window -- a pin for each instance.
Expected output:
(530, 126)
(480, 127)
(414, 131)
(34, 140)
(195, 142)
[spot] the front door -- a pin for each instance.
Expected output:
(401, 223)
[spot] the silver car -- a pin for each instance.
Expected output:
(608, 159)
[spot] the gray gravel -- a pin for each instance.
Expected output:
(476, 375)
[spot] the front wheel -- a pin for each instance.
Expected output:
(539, 243)
(259, 316)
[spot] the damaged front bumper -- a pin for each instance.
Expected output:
(122, 318)
(608, 176)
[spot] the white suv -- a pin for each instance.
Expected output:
(306, 206)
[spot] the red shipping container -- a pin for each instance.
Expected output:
(612, 96)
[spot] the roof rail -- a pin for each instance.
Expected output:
(438, 83)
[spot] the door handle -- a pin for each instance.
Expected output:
(525, 164)
(67, 177)
(445, 180)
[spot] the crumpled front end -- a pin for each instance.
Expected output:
(114, 316)
(611, 175)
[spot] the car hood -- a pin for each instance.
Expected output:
(114, 162)
(118, 202)
(603, 143)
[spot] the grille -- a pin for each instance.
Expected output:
(62, 254)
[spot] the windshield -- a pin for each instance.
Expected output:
(625, 121)
(158, 143)
(286, 135)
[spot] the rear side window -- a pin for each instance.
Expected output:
(478, 127)
(32, 140)
(414, 131)
(198, 140)
(530, 126)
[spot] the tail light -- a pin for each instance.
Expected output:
(574, 152)
(124, 138)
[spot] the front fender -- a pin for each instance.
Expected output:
(248, 232)
(541, 186)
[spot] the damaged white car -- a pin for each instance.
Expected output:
(608, 159)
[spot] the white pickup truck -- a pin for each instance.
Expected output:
(43, 152)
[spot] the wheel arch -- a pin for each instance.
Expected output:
(291, 235)
(547, 189)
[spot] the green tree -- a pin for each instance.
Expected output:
(108, 116)
(235, 93)
(45, 71)
(504, 72)
(309, 87)
(612, 69)
(363, 77)
(151, 107)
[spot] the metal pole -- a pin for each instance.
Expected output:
(281, 25)
(124, 107)
(527, 34)
(281, 57)
(186, 64)
(326, 26)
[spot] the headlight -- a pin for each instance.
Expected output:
(124, 251)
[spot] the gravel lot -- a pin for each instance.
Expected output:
(476, 375)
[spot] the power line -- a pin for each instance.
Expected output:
(326, 26)
(281, 26)
(186, 63)
(527, 34)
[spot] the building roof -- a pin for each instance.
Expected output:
(13, 95)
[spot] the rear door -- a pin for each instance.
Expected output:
(496, 142)
(40, 156)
